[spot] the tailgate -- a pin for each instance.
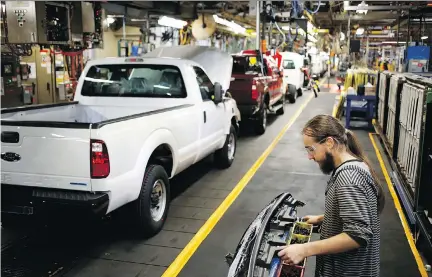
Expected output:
(46, 157)
(241, 89)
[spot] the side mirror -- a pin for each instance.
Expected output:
(218, 93)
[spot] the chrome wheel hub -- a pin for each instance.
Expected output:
(158, 200)
(231, 146)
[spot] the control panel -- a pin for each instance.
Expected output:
(30, 22)
(20, 14)
(21, 21)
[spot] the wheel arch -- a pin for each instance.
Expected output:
(160, 141)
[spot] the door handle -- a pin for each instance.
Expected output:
(9, 137)
(205, 117)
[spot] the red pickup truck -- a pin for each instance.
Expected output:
(257, 91)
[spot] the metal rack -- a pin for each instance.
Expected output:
(404, 122)
(394, 107)
(383, 94)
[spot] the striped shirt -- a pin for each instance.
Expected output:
(351, 206)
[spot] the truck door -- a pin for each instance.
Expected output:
(212, 122)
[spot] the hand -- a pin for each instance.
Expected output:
(313, 219)
(293, 254)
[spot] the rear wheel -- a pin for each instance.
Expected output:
(151, 207)
(261, 123)
(292, 94)
(224, 157)
(281, 110)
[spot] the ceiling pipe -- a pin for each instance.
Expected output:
(376, 8)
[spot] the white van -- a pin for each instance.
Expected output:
(293, 75)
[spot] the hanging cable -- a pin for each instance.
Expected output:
(270, 12)
(313, 12)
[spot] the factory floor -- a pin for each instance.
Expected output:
(212, 209)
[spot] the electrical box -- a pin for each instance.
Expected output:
(38, 22)
(88, 19)
(418, 66)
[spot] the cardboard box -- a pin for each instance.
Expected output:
(370, 90)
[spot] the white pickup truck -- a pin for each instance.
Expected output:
(134, 124)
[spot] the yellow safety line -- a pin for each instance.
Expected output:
(398, 206)
(184, 256)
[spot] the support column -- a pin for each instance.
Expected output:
(349, 39)
(257, 27)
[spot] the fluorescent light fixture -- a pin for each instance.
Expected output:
(231, 24)
(171, 22)
(361, 5)
(393, 42)
(424, 37)
(110, 20)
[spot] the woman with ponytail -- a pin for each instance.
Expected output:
(354, 199)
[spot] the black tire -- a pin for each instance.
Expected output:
(292, 94)
(261, 122)
(299, 92)
(281, 110)
(147, 225)
(223, 158)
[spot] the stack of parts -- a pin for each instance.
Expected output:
(301, 233)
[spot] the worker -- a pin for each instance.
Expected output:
(350, 226)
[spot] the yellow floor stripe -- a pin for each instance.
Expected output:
(184, 256)
(398, 207)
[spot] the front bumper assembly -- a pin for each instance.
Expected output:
(256, 253)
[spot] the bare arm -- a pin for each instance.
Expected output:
(337, 244)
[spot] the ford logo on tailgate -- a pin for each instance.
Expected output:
(10, 157)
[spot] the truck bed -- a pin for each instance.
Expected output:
(71, 112)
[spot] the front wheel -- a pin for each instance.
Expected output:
(151, 207)
(299, 92)
(224, 157)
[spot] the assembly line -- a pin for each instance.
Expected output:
(238, 139)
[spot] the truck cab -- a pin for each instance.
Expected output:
(256, 85)
(292, 67)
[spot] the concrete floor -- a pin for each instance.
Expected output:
(108, 250)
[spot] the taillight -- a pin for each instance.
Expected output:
(255, 93)
(100, 165)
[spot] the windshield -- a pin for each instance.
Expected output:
(288, 64)
(134, 80)
(245, 65)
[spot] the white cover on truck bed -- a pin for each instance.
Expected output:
(76, 113)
